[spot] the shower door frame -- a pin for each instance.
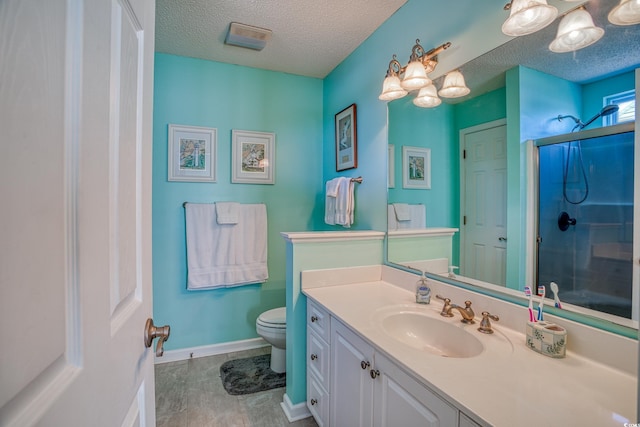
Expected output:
(533, 197)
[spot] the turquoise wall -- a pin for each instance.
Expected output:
(358, 79)
(592, 94)
(431, 128)
(438, 129)
(223, 96)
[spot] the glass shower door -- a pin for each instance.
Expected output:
(585, 221)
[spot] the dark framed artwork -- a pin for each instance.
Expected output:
(346, 139)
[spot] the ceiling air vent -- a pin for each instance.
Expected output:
(247, 36)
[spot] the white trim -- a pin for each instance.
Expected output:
(210, 350)
(295, 412)
(429, 231)
(328, 236)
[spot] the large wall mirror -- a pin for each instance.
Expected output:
(486, 166)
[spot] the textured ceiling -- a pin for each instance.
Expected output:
(617, 51)
(310, 38)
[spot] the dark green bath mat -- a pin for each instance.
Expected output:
(251, 375)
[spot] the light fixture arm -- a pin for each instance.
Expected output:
(394, 67)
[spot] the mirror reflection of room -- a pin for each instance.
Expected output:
(484, 188)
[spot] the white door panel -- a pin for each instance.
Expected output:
(483, 203)
(75, 261)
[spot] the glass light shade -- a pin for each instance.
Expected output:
(427, 97)
(391, 89)
(528, 16)
(454, 86)
(626, 13)
(415, 76)
(576, 31)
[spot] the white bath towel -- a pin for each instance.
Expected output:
(418, 218)
(402, 211)
(227, 212)
(339, 208)
(225, 255)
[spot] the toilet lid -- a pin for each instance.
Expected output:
(276, 317)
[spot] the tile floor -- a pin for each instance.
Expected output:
(189, 393)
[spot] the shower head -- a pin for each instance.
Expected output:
(607, 110)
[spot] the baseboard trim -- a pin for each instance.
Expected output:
(294, 412)
(210, 350)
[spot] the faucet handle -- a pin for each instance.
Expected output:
(485, 323)
(446, 308)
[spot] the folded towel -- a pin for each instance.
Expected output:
(418, 218)
(403, 211)
(227, 212)
(339, 208)
(332, 187)
(220, 256)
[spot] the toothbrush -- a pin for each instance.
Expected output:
(527, 292)
(554, 289)
(541, 292)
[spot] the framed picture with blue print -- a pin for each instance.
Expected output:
(191, 153)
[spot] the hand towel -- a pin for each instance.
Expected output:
(402, 211)
(227, 212)
(221, 256)
(339, 208)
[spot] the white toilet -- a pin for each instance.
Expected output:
(272, 326)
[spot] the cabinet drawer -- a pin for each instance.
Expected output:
(318, 358)
(318, 320)
(317, 401)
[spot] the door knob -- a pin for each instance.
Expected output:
(151, 332)
(502, 239)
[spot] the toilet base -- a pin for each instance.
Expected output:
(278, 360)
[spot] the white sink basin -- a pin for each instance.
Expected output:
(431, 335)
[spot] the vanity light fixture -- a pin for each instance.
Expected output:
(626, 13)
(576, 31)
(528, 16)
(454, 85)
(400, 80)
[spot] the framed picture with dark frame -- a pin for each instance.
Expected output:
(416, 167)
(346, 139)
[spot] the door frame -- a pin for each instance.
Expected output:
(461, 143)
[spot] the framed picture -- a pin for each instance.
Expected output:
(391, 167)
(346, 139)
(192, 153)
(252, 157)
(416, 167)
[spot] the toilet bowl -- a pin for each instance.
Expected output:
(272, 327)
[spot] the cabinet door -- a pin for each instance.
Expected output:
(400, 400)
(351, 386)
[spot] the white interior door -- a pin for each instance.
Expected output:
(76, 81)
(484, 203)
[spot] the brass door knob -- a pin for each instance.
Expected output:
(151, 331)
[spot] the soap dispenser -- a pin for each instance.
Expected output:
(423, 292)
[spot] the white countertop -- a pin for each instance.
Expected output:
(507, 384)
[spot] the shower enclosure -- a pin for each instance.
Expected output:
(585, 217)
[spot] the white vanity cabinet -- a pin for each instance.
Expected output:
(318, 363)
(368, 389)
(351, 383)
